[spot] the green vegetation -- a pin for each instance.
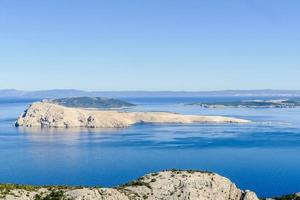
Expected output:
(91, 102)
(179, 171)
(136, 183)
(9, 187)
(33, 188)
(5, 189)
(286, 197)
(154, 174)
(53, 195)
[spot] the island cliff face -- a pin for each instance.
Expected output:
(45, 114)
(165, 185)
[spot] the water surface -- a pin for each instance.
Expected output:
(263, 156)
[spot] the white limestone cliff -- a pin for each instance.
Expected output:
(44, 114)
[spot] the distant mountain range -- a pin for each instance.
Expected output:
(11, 93)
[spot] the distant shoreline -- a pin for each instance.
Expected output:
(58, 93)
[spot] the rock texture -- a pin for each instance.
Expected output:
(166, 185)
(44, 114)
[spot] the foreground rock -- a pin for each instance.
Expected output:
(166, 185)
(45, 114)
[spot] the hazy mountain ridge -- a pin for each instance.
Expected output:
(60, 93)
(91, 102)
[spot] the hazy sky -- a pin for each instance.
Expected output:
(150, 44)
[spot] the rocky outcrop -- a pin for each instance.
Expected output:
(45, 114)
(166, 185)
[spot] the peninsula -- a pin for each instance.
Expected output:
(51, 115)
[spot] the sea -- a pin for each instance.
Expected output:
(262, 156)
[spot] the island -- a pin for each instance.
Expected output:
(171, 184)
(51, 115)
(90, 102)
(277, 103)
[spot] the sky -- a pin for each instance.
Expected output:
(176, 45)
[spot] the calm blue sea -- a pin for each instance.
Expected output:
(263, 156)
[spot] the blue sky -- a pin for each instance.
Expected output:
(150, 44)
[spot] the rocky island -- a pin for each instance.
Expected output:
(172, 184)
(277, 103)
(51, 115)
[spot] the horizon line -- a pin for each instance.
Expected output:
(83, 90)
